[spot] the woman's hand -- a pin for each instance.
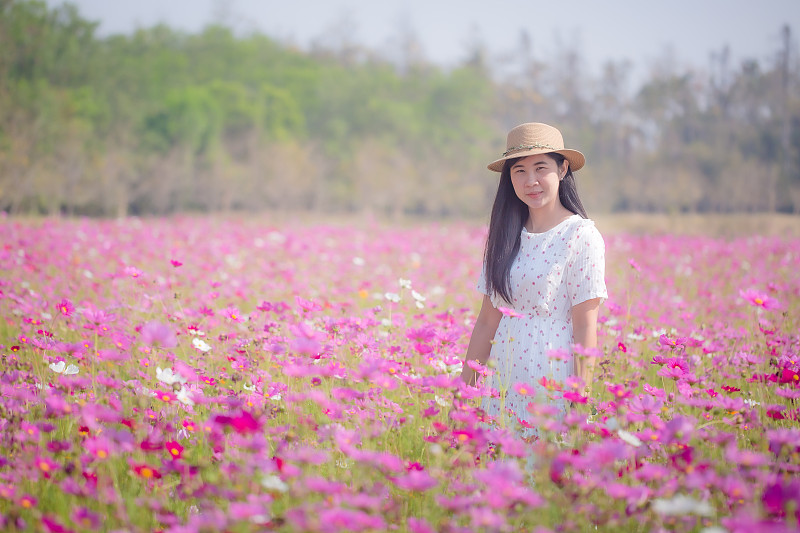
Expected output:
(480, 343)
(584, 333)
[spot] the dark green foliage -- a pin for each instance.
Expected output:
(161, 121)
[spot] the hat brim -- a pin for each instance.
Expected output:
(575, 158)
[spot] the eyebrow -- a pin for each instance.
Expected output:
(535, 163)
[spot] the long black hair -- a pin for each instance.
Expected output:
(509, 214)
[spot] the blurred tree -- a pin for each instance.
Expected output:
(161, 121)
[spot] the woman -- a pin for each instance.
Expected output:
(545, 260)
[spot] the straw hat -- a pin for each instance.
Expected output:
(535, 138)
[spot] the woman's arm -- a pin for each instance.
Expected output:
(584, 332)
(480, 343)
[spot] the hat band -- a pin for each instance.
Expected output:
(529, 147)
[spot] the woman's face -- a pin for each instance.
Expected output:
(535, 179)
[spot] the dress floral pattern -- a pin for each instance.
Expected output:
(552, 272)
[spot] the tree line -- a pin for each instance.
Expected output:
(162, 121)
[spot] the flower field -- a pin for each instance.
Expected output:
(204, 374)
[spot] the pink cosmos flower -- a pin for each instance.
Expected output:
(415, 480)
(419, 525)
(243, 423)
(133, 272)
(86, 519)
(46, 465)
(559, 355)
(155, 333)
(165, 396)
(342, 519)
(524, 389)
(619, 391)
(506, 311)
(233, 314)
(65, 307)
(7, 491)
(759, 299)
(27, 501)
(575, 397)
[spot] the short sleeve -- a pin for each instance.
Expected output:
(482, 281)
(586, 268)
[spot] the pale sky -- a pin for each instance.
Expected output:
(641, 31)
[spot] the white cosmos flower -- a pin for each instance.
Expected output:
(184, 397)
(201, 345)
(635, 337)
(62, 368)
(751, 403)
(392, 297)
(357, 261)
(681, 505)
(404, 283)
(168, 376)
(247, 387)
(441, 401)
(630, 438)
(273, 483)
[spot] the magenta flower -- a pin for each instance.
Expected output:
(575, 397)
(243, 423)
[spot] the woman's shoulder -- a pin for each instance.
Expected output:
(584, 228)
(578, 222)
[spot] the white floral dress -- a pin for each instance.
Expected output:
(552, 272)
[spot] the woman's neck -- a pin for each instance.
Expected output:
(545, 218)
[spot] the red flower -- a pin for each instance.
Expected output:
(549, 384)
(174, 448)
(790, 376)
(146, 472)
